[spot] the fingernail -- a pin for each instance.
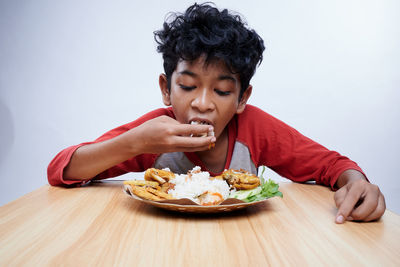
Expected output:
(340, 219)
(213, 139)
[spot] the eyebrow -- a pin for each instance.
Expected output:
(227, 77)
(186, 72)
(220, 78)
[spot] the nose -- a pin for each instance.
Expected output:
(203, 101)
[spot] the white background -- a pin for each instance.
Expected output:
(71, 70)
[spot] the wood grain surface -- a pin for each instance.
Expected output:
(99, 225)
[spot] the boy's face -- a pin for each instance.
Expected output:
(204, 93)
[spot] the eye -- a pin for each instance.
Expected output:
(187, 88)
(222, 93)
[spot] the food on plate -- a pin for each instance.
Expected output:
(153, 184)
(149, 193)
(241, 179)
(201, 188)
(210, 198)
(267, 189)
(165, 187)
(160, 176)
(198, 187)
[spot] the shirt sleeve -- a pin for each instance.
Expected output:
(289, 153)
(55, 170)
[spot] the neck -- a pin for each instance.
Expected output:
(215, 158)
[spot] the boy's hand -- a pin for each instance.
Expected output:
(357, 199)
(164, 134)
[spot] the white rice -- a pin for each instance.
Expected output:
(197, 183)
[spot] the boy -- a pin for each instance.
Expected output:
(209, 59)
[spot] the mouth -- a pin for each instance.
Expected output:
(202, 122)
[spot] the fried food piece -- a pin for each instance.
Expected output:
(241, 179)
(143, 193)
(158, 193)
(152, 184)
(150, 193)
(167, 186)
(161, 176)
(150, 188)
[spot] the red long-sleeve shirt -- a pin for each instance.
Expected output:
(255, 138)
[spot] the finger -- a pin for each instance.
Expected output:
(193, 142)
(367, 206)
(339, 196)
(348, 204)
(192, 149)
(188, 129)
(379, 211)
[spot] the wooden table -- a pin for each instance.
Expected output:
(99, 225)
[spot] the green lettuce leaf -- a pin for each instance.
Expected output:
(267, 189)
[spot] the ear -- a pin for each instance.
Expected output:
(163, 82)
(243, 100)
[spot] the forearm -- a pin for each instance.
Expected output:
(90, 160)
(348, 176)
(158, 135)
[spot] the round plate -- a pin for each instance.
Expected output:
(187, 205)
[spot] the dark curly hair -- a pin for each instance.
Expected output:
(219, 35)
